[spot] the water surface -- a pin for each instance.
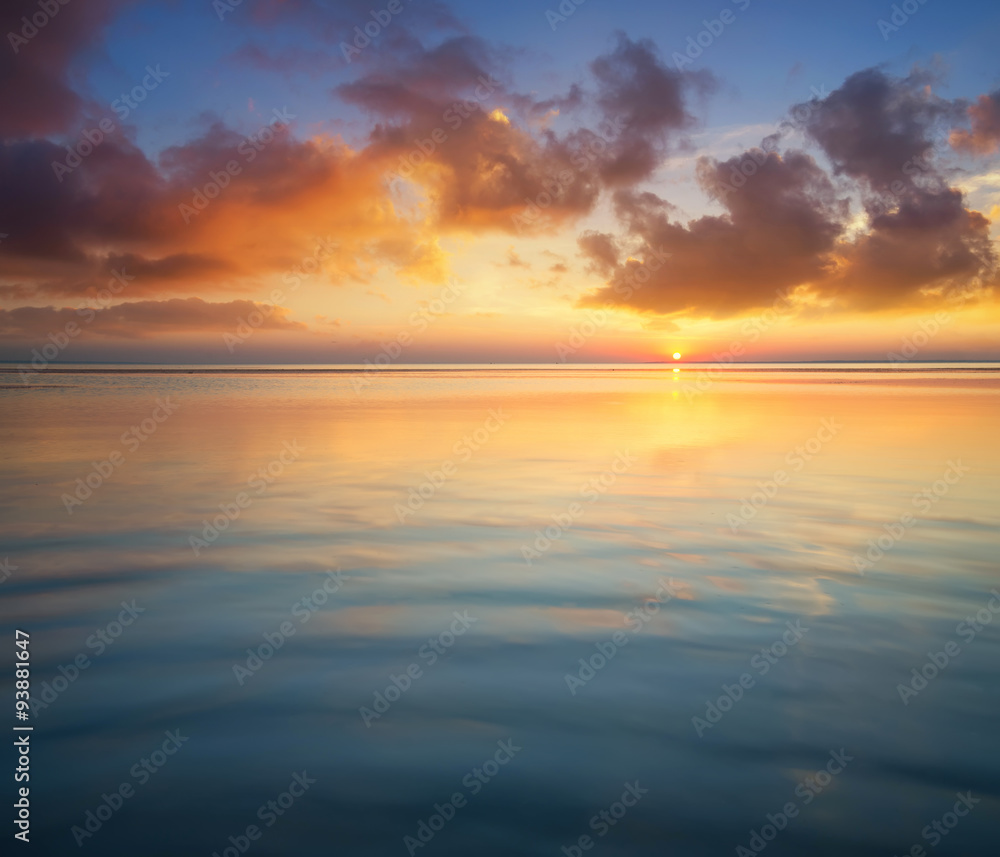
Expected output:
(478, 532)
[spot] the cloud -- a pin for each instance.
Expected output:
(444, 128)
(929, 242)
(140, 319)
(984, 138)
(547, 108)
(786, 220)
(36, 94)
(513, 260)
(884, 132)
(440, 130)
(647, 101)
(333, 25)
(441, 118)
(777, 230)
(119, 208)
(144, 276)
(875, 124)
(600, 249)
(449, 150)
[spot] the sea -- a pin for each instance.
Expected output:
(613, 610)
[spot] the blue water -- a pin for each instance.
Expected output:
(698, 537)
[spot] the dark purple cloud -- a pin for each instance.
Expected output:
(36, 95)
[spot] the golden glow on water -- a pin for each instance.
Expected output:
(699, 452)
(550, 506)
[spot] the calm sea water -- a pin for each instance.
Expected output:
(507, 611)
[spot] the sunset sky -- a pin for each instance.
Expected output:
(262, 181)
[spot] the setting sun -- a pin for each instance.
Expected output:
(677, 355)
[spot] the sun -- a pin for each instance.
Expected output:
(677, 355)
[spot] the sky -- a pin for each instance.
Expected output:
(312, 181)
